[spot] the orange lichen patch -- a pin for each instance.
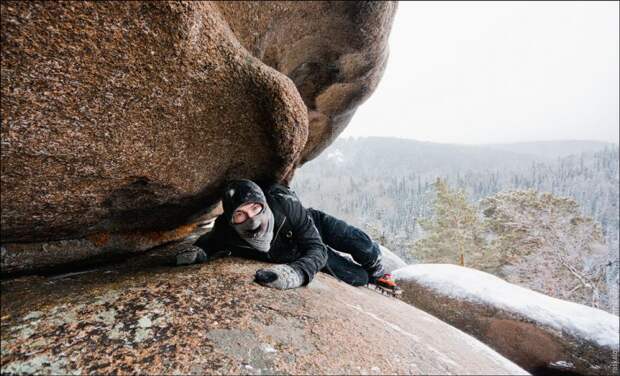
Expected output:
(99, 239)
(177, 233)
(143, 240)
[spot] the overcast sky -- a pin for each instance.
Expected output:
(498, 72)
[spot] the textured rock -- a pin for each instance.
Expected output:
(335, 53)
(20, 258)
(122, 119)
(145, 317)
(542, 334)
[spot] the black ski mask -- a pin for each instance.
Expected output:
(258, 230)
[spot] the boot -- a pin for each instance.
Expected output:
(386, 282)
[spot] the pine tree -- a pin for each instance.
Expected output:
(453, 233)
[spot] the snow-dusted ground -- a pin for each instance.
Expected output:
(390, 260)
(472, 285)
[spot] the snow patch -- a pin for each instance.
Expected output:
(335, 156)
(390, 260)
(268, 348)
(475, 286)
(563, 364)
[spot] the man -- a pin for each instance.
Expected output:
(273, 226)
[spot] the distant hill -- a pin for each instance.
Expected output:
(386, 183)
(397, 157)
(393, 156)
(552, 149)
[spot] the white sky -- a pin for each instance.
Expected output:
(482, 72)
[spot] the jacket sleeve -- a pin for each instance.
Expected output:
(313, 251)
(212, 242)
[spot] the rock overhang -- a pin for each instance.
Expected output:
(124, 119)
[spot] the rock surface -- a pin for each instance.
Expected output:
(146, 317)
(121, 120)
(542, 334)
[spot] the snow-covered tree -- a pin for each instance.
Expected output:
(546, 244)
(386, 185)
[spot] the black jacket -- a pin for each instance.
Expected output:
(296, 240)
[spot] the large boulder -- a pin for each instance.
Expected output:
(122, 120)
(145, 317)
(542, 334)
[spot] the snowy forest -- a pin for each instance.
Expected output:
(540, 214)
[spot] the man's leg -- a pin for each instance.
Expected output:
(349, 239)
(344, 269)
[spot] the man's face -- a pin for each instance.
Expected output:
(246, 211)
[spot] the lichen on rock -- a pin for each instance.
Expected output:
(152, 318)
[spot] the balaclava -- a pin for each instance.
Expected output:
(258, 230)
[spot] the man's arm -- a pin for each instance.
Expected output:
(207, 247)
(307, 237)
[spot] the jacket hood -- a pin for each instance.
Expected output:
(239, 192)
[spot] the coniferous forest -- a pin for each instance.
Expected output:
(402, 192)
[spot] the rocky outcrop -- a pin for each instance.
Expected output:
(146, 317)
(122, 120)
(542, 334)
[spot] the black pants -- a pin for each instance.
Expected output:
(339, 235)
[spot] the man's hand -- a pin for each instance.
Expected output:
(280, 277)
(190, 255)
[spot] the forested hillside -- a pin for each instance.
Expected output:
(387, 183)
(387, 186)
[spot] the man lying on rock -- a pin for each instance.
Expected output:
(273, 226)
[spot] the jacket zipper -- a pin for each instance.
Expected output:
(276, 235)
(279, 228)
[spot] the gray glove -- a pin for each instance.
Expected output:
(190, 255)
(280, 276)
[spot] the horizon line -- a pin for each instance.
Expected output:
(482, 143)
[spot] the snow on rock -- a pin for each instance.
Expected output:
(391, 261)
(549, 333)
(581, 321)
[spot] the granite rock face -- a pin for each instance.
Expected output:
(544, 335)
(335, 53)
(145, 317)
(126, 117)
